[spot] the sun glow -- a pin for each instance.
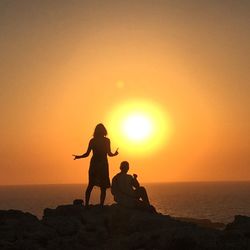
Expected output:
(139, 127)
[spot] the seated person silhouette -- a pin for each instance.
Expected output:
(127, 190)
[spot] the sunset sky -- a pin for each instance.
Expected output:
(67, 65)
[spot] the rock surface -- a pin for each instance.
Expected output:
(115, 228)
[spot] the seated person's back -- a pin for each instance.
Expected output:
(123, 183)
(127, 190)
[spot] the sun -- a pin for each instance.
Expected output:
(139, 126)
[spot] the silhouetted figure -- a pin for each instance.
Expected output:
(127, 190)
(99, 168)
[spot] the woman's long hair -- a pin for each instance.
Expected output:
(100, 131)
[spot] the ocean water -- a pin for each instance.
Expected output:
(217, 201)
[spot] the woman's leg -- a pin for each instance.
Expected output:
(102, 196)
(87, 194)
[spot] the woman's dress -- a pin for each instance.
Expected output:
(99, 167)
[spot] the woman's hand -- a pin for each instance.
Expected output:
(76, 157)
(116, 152)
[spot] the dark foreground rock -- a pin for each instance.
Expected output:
(112, 227)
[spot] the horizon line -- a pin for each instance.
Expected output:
(159, 182)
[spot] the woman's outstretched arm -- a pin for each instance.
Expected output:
(85, 154)
(109, 150)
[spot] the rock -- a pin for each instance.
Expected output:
(240, 225)
(64, 210)
(18, 230)
(240, 222)
(78, 202)
(237, 233)
(114, 227)
(203, 222)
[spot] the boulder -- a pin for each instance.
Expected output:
(114, 227)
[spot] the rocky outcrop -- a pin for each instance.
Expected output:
(112, 227)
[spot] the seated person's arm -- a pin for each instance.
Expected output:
(135, 182)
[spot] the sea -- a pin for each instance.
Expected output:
(216, 201)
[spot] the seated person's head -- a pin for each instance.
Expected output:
(124, 166)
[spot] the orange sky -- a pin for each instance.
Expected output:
(60, 65)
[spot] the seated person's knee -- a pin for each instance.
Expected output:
(142, 189)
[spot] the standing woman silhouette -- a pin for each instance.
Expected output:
(99, 167)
